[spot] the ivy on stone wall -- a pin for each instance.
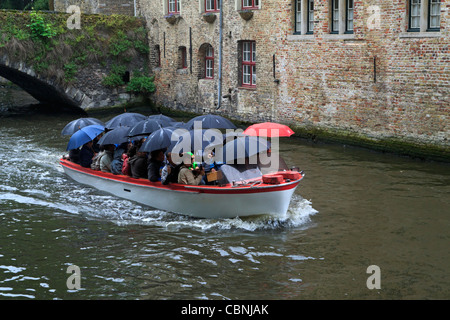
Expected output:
(43, 41)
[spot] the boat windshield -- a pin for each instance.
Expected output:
(243, 172)
(239, 172)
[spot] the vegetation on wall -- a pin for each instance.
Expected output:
(24, 4)
(43, 41)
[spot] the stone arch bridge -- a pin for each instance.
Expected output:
(82, 68)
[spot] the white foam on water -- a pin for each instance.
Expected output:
(34, 177)
(299, 214)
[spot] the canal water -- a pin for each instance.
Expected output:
(354, 209)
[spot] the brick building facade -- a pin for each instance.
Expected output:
(125, 7)
(378, 68)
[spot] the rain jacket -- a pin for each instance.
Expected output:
(105, 161)
(186, 176)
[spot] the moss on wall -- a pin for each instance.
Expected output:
(55, 51)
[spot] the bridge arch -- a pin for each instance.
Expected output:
(75, 68)
(42, 89)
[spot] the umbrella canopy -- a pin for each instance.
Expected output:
(244, 147)
(211, 121)
(77, 124)
(269, 129)
(178, 124)
(165, 120)
(196, 140)
(160, 139)
(125, 119)
(144, 127)
(117, 135)
(84, 135)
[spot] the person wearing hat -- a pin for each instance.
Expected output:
(189, 173)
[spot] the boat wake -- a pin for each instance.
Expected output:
(124, 212)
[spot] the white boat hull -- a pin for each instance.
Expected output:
(197, 201)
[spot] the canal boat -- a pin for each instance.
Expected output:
(239, 193)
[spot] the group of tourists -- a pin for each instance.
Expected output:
(126, 159)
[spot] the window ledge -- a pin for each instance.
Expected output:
(343, 36)
(247, 88)
(409, 35)
(183, 71)
(300, 37)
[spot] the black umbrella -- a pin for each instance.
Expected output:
(211, 121)
(117, 135)
(162, 118)
(244, 147)
(125, 119)
(77, 124)
(194, 140)
(144, 127)
(160, 139)
(178, 124)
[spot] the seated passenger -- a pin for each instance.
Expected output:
(138, 165)
(170, 171)
(188, 174)
(117, 162)
(155, 164)
(86, 155)
(107, 157)
(74, 155)
(211, 166)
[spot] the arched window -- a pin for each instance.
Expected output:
(209, 62)
(205, 61)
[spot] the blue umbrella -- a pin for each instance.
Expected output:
(160, 139)
(117, 135)
(77, 124)
(211, 121)
(125, 119)
(84, 135)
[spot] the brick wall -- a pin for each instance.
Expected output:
(125, 7)
(380, 81)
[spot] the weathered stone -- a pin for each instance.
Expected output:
(380, 81)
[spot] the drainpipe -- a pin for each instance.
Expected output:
(219, 94)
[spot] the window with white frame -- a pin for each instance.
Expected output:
(298, 16)
(209, 62)
(335, 16)
(304, 16)
(212, 5)
(310, 8)
(349, 16)
(414, 15)
(250, 4)
(247, 63)
(341, 16)
(173, 6)
(434, 15)
(424, 15)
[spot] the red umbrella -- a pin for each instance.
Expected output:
(269, 129)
